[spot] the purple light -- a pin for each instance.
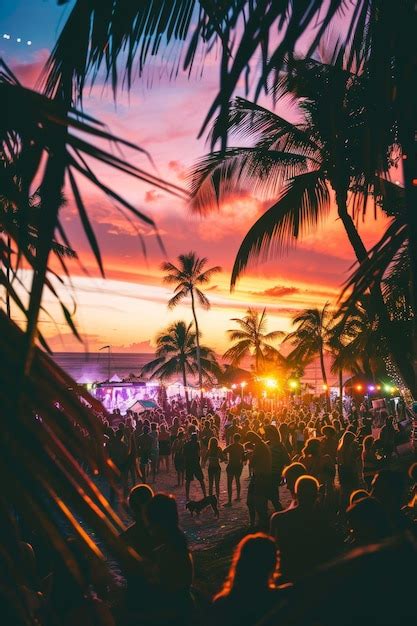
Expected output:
(371, 387)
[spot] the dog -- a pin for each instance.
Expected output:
(196, 506)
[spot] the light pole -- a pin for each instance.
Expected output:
(242, 386)
(108, 348)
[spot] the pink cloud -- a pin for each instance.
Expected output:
(279, 291)
(153, 195)
(29, 73)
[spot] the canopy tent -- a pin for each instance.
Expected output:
(85, 379)
(143, 405)
(115, 379)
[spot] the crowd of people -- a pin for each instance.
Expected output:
(326, 497)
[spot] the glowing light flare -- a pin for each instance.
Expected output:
(325, 387)
(293, 384)
(271, 383)
(371, 388)
(359, 387)
(243, 384)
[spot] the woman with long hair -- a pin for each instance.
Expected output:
(260, 481)
(249, 591)
(213, 456)
(178, 456)
(164, 439)
(348, 465)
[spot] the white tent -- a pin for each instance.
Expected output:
(84, 379)
(115, 379)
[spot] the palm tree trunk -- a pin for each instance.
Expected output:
(9, 258)
(184, 382)
(349, 226)
(409, 143)
(324, 376)
(408, 371)
(197, 332)
(341, 391)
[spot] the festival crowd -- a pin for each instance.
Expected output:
(339, 547)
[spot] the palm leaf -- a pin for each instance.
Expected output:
(219, 175)
(303, 203)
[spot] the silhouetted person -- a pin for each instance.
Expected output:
(259, 486)
(389, 488)
(178, 456)
(249, 590)
(172, 562)
(291, 474)
(348, 463)
(236, 457)
(304, 537)
(213, 457)
(192, 465)
(279, 459)
(144, 447)
(137, 535)
(367, 521)
(370, 462)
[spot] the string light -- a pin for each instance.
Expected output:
(8, 37)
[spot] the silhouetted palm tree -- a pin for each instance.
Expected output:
(310, 338)
(298, 163)
(189, 276)
(176, 353)
(252, 339)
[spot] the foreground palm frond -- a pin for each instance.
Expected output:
(114, 33)
(42, 139)
(49, 427)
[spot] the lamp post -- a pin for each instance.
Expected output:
(242, 386)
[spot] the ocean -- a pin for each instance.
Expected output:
(96, 366)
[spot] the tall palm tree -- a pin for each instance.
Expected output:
(333, 148)
(188, 277)
(297, 164)
(176, 353)
(310, 338)
(252, 339)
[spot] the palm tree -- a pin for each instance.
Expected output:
(252, 339)
(310, 339)
(176, 353)
(298, 163)
(330, 149)
(188, 277)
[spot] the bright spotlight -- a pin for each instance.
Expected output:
(271, 383)
(293, 384)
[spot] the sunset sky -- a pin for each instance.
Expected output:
(128, 308)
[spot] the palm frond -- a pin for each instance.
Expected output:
(203, 300)
(219, 175)
(303, 203)
(237, 352)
